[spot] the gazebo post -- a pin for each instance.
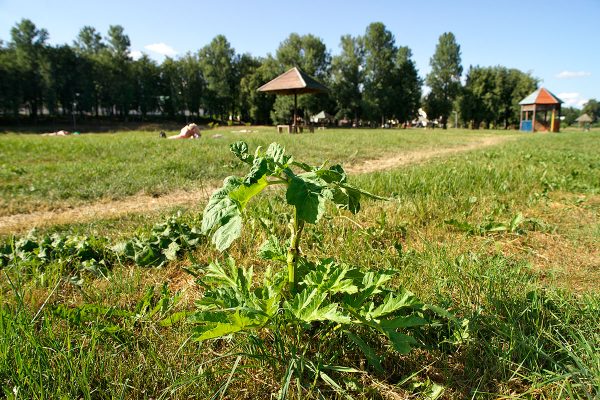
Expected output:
(294, 127)
(533, 120)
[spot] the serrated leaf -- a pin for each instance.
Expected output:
(272, 250)
(223, 214)
(220, 205)
(403, 344)
(277, 153)
(237, 322)
(308, 306)
(393, 303)
(328, 277)
(240, 149)
(347, 198)
(308, 198)
(260, 168)
(335, 174)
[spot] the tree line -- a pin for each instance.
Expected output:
(372, 80)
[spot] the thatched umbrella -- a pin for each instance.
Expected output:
(584, 120)
(293, 82)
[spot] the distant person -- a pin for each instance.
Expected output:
(57, 133)
(190, 131)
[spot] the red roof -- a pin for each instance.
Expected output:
(541, 96)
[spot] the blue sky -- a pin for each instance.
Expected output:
(557, 41)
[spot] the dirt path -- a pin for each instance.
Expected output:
(144, 203)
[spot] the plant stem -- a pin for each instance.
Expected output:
(294, 250)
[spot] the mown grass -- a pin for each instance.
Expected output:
(531, 294)
(52, 172)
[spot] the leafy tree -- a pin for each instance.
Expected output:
(92, 88)
(89, 41)
(10, 94)
(146, 74)
(592, 108)
(347, 78)
(408, 87)
(491, 96)
(570, 114)
(118, 62)
(192, 82)
(379, 72)
(63, 79)
(259, 104)
(29, 43)
(217, 63)
(444, 78)
(310, 54)
(246, 67)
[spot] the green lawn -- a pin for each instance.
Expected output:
(48, 172)
(528, 286)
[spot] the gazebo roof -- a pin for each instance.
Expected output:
(584, 118)
(541, 96)
(293, 81)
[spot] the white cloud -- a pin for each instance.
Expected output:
(161, 48)
(572, 99)
(573, 74)
(136, 54)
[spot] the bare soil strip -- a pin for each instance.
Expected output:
(145, 203)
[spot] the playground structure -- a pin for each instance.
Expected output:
(535, 109)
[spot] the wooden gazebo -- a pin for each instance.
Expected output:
(293, 82)
(535, 109)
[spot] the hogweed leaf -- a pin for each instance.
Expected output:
(260, 168)
(407, 321)
(401, 343)
(240, 149)
(392, 303)
(307, 196)
(243, 193)
(277, 153)
(308, 306)
(223, 215)
(237, 322)
(272, 250)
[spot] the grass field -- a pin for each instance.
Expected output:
(506, 237)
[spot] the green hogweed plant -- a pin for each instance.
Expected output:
(307, 192)
(335, 298)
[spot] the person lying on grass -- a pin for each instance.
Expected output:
(57, 133)
(191, 131)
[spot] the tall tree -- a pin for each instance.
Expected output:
(379, 72)
(93, 87)
(408, 86)
(259, 104)
(347, 78)
(444, 78)
(116, 58)
(10, 93)
(146, 76)
(246, 67)
(309, 53)
(217, 64)
(29, 45)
